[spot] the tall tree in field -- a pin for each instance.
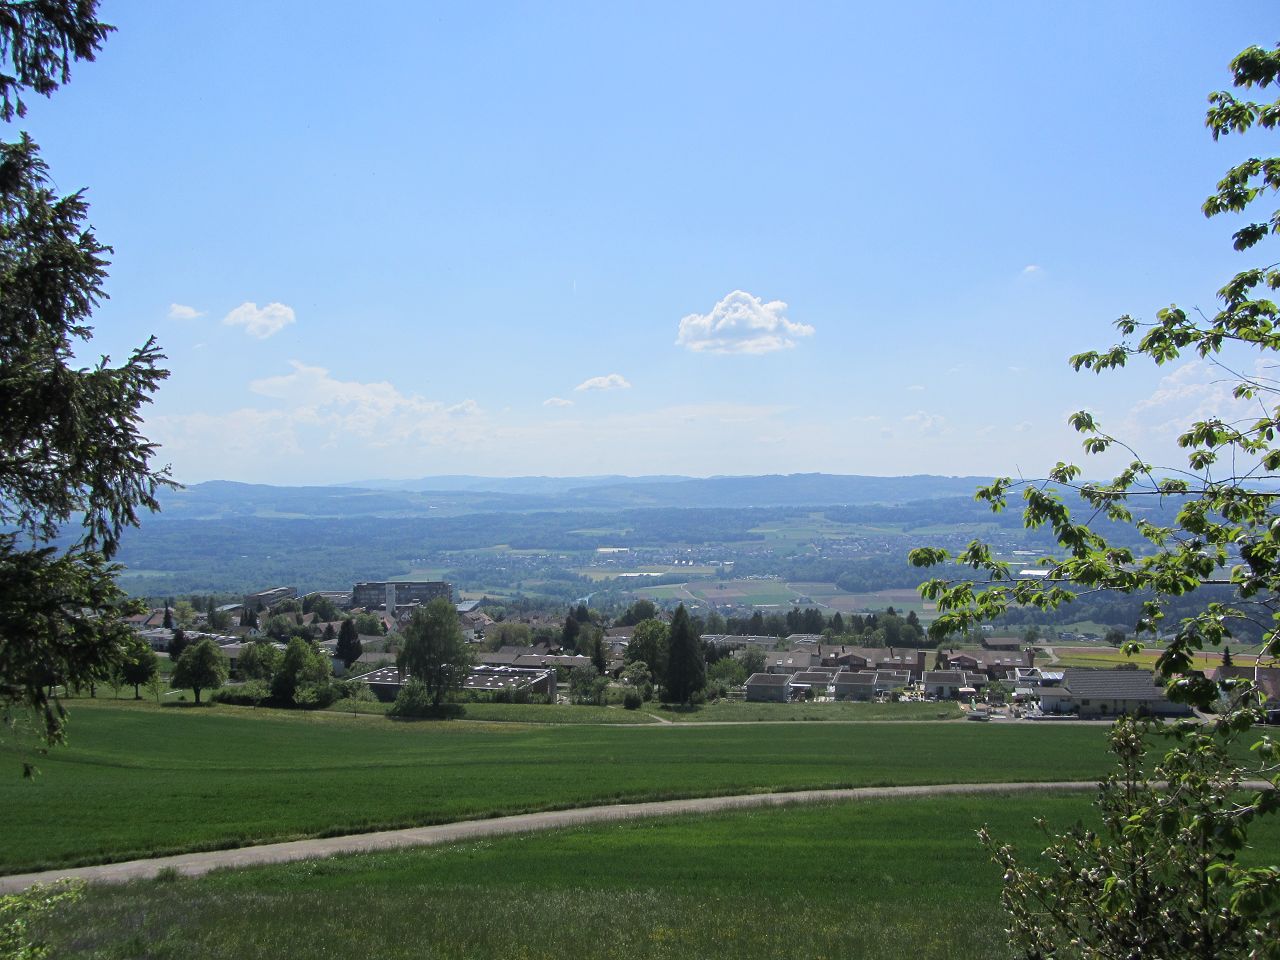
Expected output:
(686, 670)
(434, 650)
(201, 667)
(74, 469)
(349, 646)
(138, 664)
(1164, 877)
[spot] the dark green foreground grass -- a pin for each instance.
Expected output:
(140, 780)
(902, 878)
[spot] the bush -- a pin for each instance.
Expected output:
(314, 696)
(20, 912)
(354, 690)
(632, 700)
(248, 694)
(415, 701)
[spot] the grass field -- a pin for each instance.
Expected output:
(858, 880)
(901, 878)
(539, 713)
(740, 711)
(138, 779)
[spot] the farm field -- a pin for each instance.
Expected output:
(739, 711)
(1110, 657)
(539, 713)
(775, 593)
(138, 779)
(865, 879)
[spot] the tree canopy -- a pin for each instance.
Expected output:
(72, 458)
(1163, 879)
(434, 651)
(201, 667)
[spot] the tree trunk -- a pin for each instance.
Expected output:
(196, 691)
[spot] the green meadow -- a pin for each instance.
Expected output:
(883, 878)
(740, 711)
(137, 779)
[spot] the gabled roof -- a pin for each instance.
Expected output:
(812, 676)
(1113, 684)
(855, 680)
(768, 680)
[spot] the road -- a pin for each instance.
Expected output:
(195, 864)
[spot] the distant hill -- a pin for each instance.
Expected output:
(458, 495)
(525, 486)
(789, 490)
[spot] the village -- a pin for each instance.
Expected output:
(997, 678)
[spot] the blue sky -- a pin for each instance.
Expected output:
(716, 238)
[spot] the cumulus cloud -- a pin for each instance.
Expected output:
(614, 381)
(557, 402)
(741, 323)
(1032, 269)
(377, 412)
(180, 311)
(260, 322)
(926, 422)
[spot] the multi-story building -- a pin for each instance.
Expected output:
(374, 593)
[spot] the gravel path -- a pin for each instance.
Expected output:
(194, 864)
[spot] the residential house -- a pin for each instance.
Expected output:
(764, 687)
(1102, 694)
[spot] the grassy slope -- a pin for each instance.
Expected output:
(868, 879)
(139, 780)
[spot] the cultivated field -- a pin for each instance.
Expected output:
(775, 593)
(740, 711)
(138, 779)
(1110, 657)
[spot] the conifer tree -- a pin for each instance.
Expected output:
(686, 669)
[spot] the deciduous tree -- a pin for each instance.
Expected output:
(1163, 878)
(138, 664)
(434, 650)
(201, 667)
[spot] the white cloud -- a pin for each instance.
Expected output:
(916, 387)
(741, 323)
(180, 311)
(557, 402)
(926, 422)
(614, 381)
(376, 412)
(1032, 270)
(260, 322)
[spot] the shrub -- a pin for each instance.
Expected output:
(632, 700)
(248, 694)
(415, 700)
(19, 912)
